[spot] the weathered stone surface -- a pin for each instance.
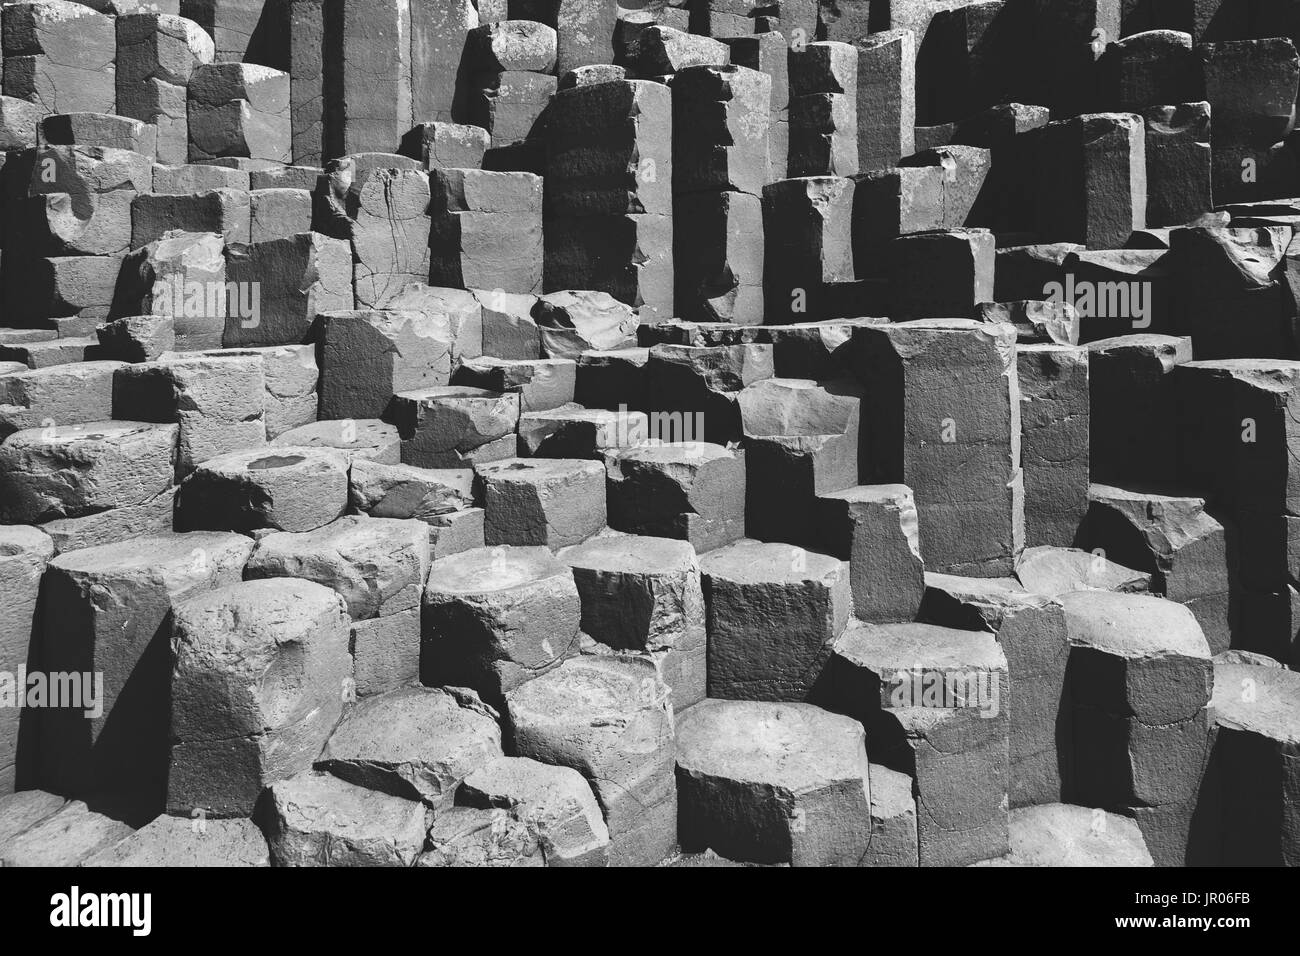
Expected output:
(801, 441)
(886, 96)
(571, 431)
(874, 528)
(287, 488)
(1186, 551)
(1054, 440)
(378, 566)
(554, 803)
(542, 384)
(181, 275)
(456, 531)
(455, 426)
(773, 612)
(935, 705)
(1095, 192)
(474, 837)
(487, 230)
(24, 553)
(217, 403)
(1140, 680)
(74, 470)
(367, 357)
(25, 809)
(1179, 162)
(458, 310)
(188, 842)
(1061, 835)
(1037, 322)
(106, 609)
(259, 673)
(290, 375)
(418, 743)
(319, 820)
(296, 278)
(1030, 629)
(643, 594)
(945, 421)
(572, 322)
(238, 109)
(404, 491)
(447, 145)
(554, 502)
(498, 617)
(771, 783)
(372, 207)
(1258, 728)
(68, 394)
(65, 838)
(137, 338)
(509, 329)
(609, 719)
(1054, 571)
(691, 491)
(278, 213)
(694, 390)
(366, 439)
(893, 819)
(226, 212)
(60, 56)
(807, 224)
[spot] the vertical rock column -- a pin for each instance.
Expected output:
(24, 552)
(156, 55)
(608, 202)
(943, 400)
(60, 56)
(720, 155)
(351, 89)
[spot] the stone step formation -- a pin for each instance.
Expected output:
(499, 433)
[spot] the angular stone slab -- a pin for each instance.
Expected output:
(188, 842)
(691, 491)
(289, 488)
(773, 612)
(609, 719)
(319, 820)
(495, 618)
(770, 783)
(554, 502)
(418, 743)
(644, 594)
(259, 675)
(124, 638)
(75, 470)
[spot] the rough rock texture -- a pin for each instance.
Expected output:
(415, 742)
(259, 674)
(497, 617)
(772, 783)
(916, 378)
(108, 609)
(610, 720)
(319, 820)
